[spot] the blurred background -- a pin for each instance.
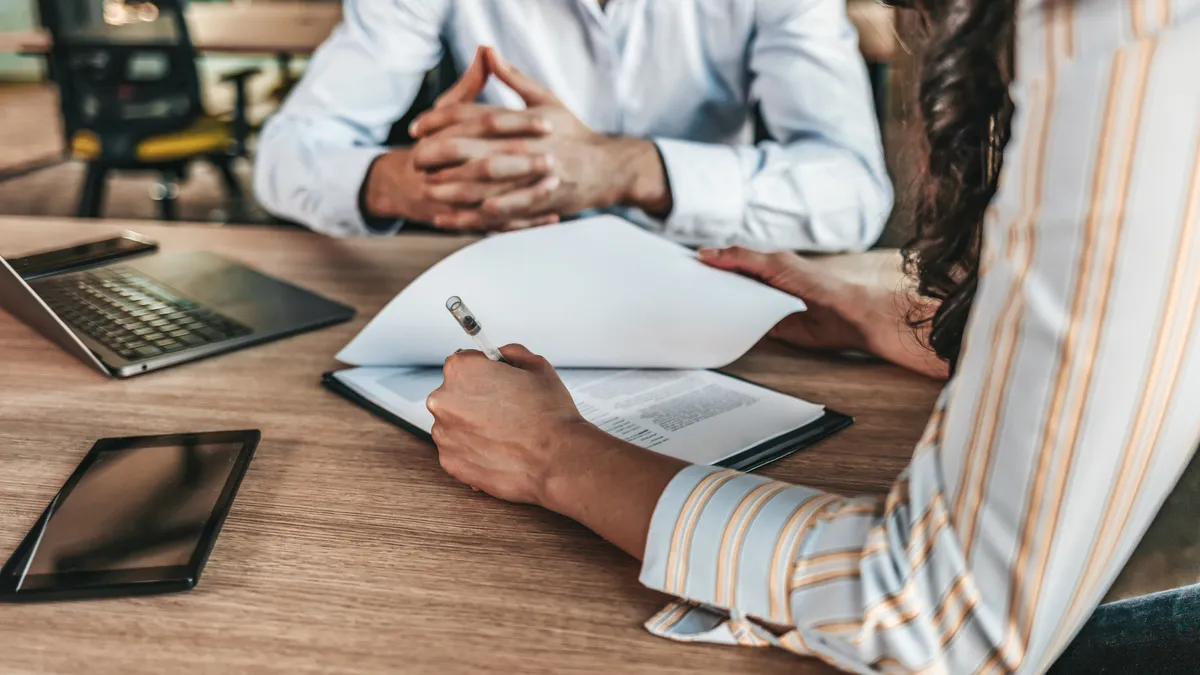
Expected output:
(246, 55)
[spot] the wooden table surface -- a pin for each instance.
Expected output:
(348, 549)
(270, 28)
(299, 27)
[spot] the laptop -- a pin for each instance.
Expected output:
(133, 317)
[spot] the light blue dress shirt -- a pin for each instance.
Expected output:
(685, 73)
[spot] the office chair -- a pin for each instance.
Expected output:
(130, 97)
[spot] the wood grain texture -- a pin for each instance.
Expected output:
(348, 549)
(272, 28)
(299, 27)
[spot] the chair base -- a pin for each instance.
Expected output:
(165, 192)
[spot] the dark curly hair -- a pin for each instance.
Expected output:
(966, 115)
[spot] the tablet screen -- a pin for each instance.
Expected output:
(142, 507)
(131, 506)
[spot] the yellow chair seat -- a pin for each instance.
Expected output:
(207, 136)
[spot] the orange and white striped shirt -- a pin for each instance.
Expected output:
(1072, 415)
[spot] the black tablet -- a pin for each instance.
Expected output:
(139, 515)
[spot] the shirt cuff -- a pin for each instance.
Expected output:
(729, 540)
(343, 171)
(706, 188)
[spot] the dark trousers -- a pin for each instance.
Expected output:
(1155, 634)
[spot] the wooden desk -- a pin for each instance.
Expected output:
(274, 28)
(299, 27)
(348, 549)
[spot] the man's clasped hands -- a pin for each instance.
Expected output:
(486, 167)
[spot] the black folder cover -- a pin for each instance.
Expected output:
(760, 455)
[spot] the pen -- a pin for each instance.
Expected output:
(467, 320)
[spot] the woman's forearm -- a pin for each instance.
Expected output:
(609, 486)
(881, 301)
(885, 324)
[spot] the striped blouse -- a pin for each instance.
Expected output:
(1072, 415)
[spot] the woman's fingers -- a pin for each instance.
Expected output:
(783, 270)
(520, 357)
(736, 259)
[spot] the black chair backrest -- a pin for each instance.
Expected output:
(124, 69)
(435, 83)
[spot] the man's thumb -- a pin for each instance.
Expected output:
(470, 85)
(531, 91)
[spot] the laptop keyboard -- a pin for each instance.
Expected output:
(132, 314)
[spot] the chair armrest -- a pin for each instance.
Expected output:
(242, 74)
(241, 126)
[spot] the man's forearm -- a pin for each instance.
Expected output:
(640, 178)
(386, 188)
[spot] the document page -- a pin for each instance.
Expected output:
(698, 416)
(594, 293)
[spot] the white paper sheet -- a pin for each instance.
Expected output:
(698, 416)
(594, 293)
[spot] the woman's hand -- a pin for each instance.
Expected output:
(828, 323)
(858, 302)
(500, 427)
(513, 431)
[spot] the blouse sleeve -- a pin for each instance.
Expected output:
(1070, 419)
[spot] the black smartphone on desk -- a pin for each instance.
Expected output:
(82, 256)
(138, 516)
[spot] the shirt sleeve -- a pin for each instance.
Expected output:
(1069, 421)
(314, 154)
(823, 186)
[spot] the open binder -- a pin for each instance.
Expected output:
(634, 324)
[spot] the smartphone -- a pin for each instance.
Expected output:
(82, 256)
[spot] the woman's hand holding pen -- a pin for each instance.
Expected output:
(502, 427)
(512, 430)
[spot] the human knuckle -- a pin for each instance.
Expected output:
(781, 259)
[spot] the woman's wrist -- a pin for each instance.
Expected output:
(882, 318)
(588, 467)
(567, 456)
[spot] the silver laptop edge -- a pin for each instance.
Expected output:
(20, 300)
(295, 310)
